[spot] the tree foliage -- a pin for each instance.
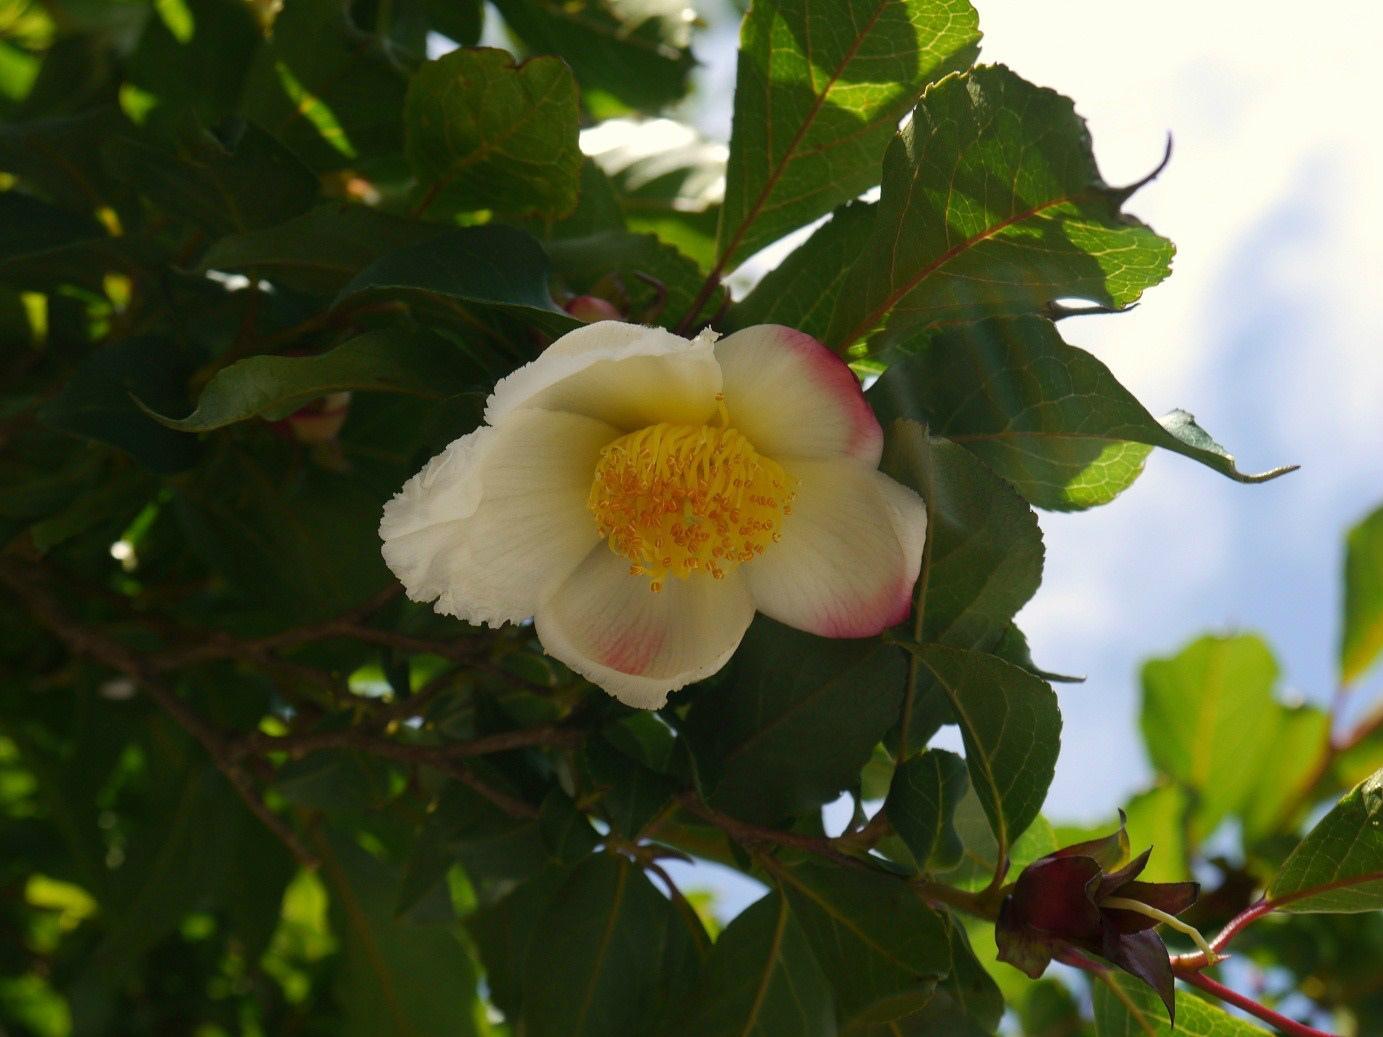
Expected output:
(258, 262)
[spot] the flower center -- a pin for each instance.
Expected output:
(681, 499)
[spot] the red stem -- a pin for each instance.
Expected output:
(1224, 993)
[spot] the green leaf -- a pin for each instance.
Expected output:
(1297, 748)
(1126, 1008)
(484, 133)
(503, 932)
(921, 805)
(657, 283)
(1157, 819)
(1011, 727)
(792, 720)
(327, 90)
(1048, 417)
(635, 51)
(967, 1003)
(97, 402)
(1339, 865)
(397, 978)
(761, 980)
(992, 205)
(202, 65)
(493, 267)
(819, 90)
(613, 955)
(318, 252)
(800, 292)
(979, 860)
(986, 553)
(400, 360)
(233, 182)
(881, 946)
(1208, 719)
(1362, 638)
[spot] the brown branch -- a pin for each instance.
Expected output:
(82, 641)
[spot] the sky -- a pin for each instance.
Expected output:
(1270, 331)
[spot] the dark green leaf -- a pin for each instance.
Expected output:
(197, 61)
(881, 946)
(1362, 638)
(614, 954)
(1135, 1011)
(793, 720)
(565, 829)
(985, 558)
(635, 52)
(1049, 418)
(401, 360)
(967, 1003)
(654, 281)
(503, 932)
(493, 267)
(631, 794)
(1011, 726)
(819, 90)
(237, 181)
(318, 252)
(329, 91)
(992, 205)
(484, 133)
(1208, 719)
(397, 978)
(1339, 866)
(761, 980)
(979, 859)
(97, 402)
(800, 292)
(921, 804)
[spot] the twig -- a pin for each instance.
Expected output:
(1247, 1004)
(82, 641)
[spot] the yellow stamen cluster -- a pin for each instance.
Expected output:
(683, 499)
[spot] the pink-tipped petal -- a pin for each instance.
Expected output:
(638, 645)
(498, 520)
(849, 555)
(793, 397)
(623, 374)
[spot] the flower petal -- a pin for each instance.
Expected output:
(793, 397)
(612, 629)
(849, 555)
(1171, 897)
(1143, 956)
(496, 522)
(624, 374)
(1052, 896)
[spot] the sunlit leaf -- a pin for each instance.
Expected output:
(1048, 417)
(1339, 866)
(820, 88)
(991, 206)
(1362, 638)
(1208, 719)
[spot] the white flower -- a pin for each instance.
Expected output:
(641, 495)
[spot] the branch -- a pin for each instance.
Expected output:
(1247, 1004)
(81, 641)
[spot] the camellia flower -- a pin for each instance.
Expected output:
(1081, 897)
(641, 495)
